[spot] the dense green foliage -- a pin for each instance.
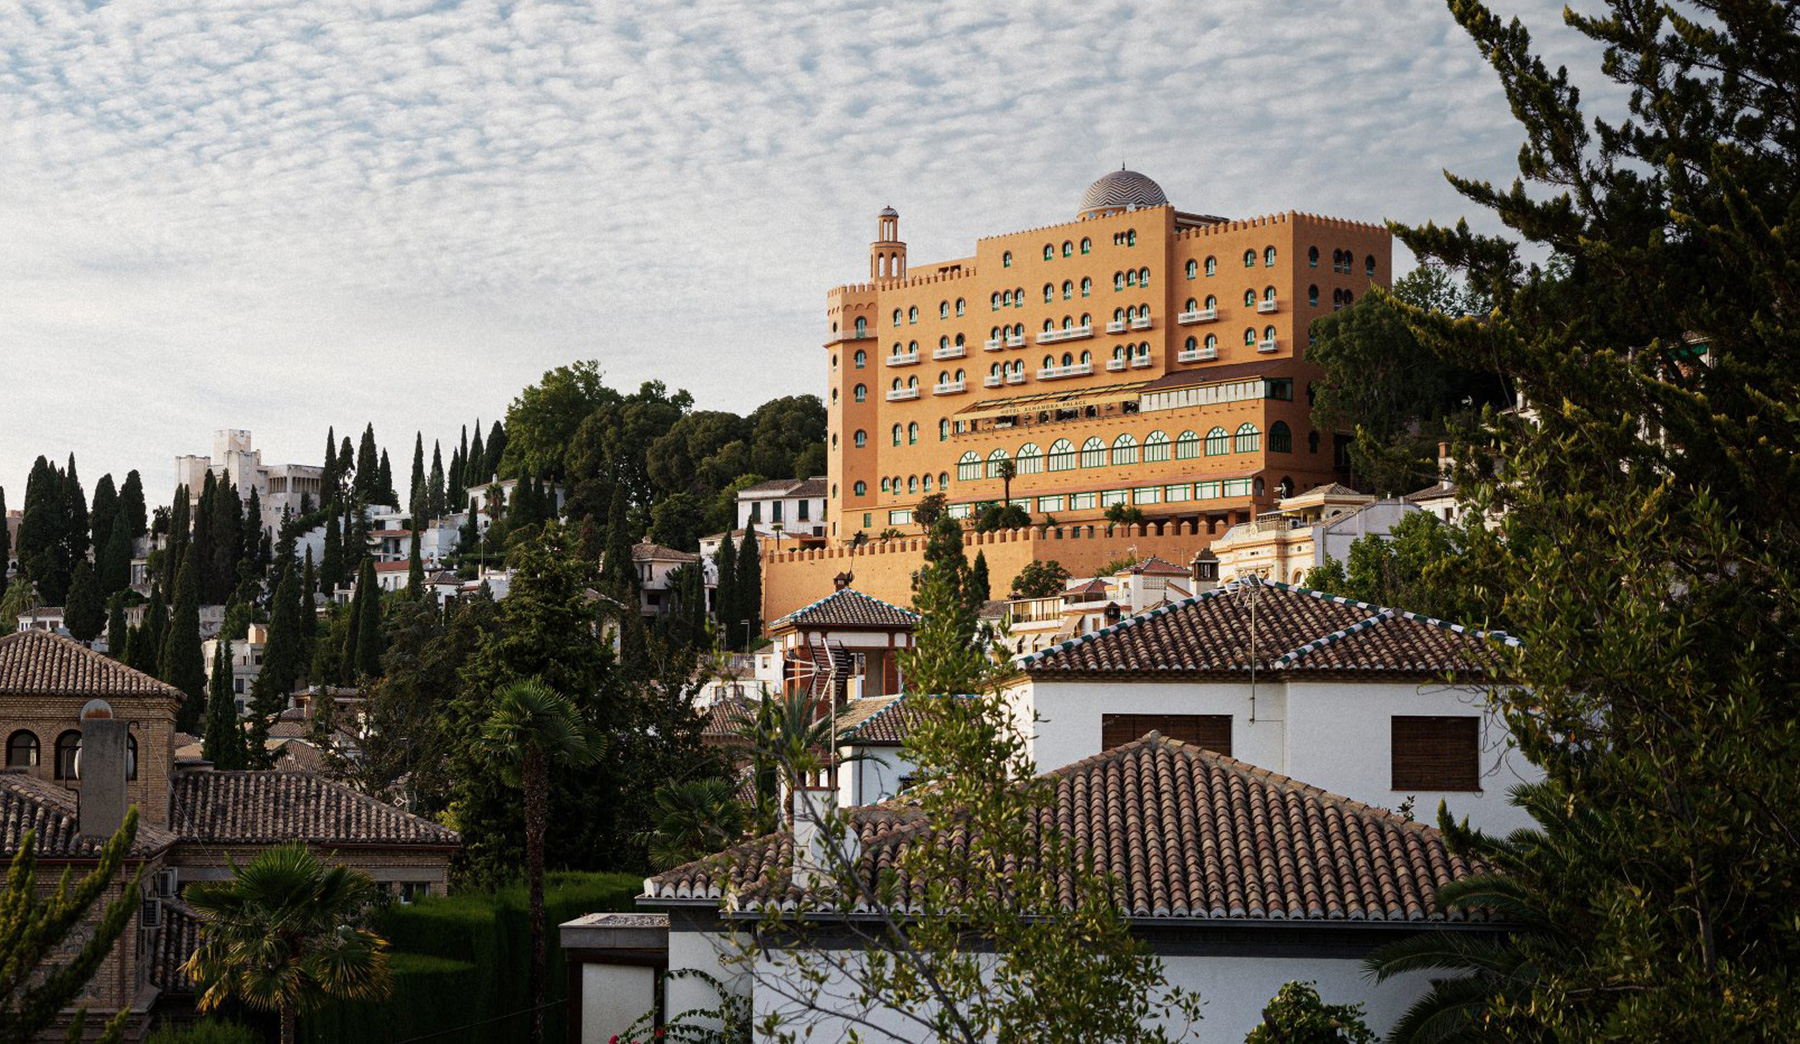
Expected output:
(1040, 579)
(1423, 566)
(1297, 1015)
(206, 1031)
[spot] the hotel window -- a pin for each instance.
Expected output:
(1268, 257)
(944, 430)
(961, 305)
(1049, 292)
(1206, 491)
(1124, 450)
(1250, 335)
(1235, 488)
(862, 393)
(1312, 257)
(862, 438)
(1435, 752)
(1250, 299)
(1218, 442)
(1045, 505)
(1006, 259)
(1181, 492)
(1087, 286)
(1312, 295)
(926, 481)
(1212, 266)
(1049, 252)
(1249, 259)
(1193, 269)
(912, 433)
(1130, 277)
(1086, 244)
(1369, 265)
(897, 316)
(862, 358)
(1118, 280)
(1248, 439)
(1281, 439)
(912, 347)
(1187, 446)
(1280, 388)
(1269, 294)
(912, 483)
(1081, 501)
(1268, 333)
(1068, 290)
(862, 327)
(897, 434)
(1147, 495)
(1093, 453)
(1131, 238)
(1143, 277)
(943, 309)
(22, 749)
(1312, 442)
(1030, 460)
(994, 460)
(1114, 496)
(1156, 447)
(968, 467)
(943, 480)
(1212, 342)
(995, 302)
(1062, 455)
(868, 519)
(901, 517)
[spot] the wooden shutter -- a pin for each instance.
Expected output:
(1208, 731)
(1436, 752)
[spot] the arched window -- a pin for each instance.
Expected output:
(912, 433)
(1250, 335)
(959, 341)
(1049, 292)
(943, 309)
(1250, 299)
(1212, 303)
(1187, 446)
(861, 438)
(1193, 269)
(1268, 293)
(1143, 350)
(1068, 289)
(943, 480)
(926, 481)
(1281, 439)
(1118, 280)
(1248, 439)
(897, 430)
(1268, 257)
(1156, 447)
(1131, 238)
(1143, 277)
(1212, 342)
(898, 316)
(968, 466)
(862, 489)
(994, 460)
(1256, 486)
(944, 343)
(1086, 244)
(1018, 297)
(1369, 265)
(1312, 257)
(1191, 305)
(1249, 259)
(995, 302)
(1030, 460)
(1218, 442)
(1087, 286)
(912, 347)
(996, 369)
(1124, 450)
(1312, 442)
(1269, 334)
(884, 485)
(1062, 455)
(1068, 249)
(912, 382)
(1312, 295)
(1093, 453)
(1130, 277)
(1190, 346)
(862, 358)
(862, 392)
(68, 745)
(1018, 367)
(1212, 266)
(961, 305)
(1006, 298)
(862, 327)
(1006, 259)
(23, 749)
(944, 430)
(1068, 360)
(912, 483)
(961, 376)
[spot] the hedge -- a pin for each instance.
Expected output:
(461, 961)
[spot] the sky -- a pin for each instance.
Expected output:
(284, 216)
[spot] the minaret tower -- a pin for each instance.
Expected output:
(887, 255)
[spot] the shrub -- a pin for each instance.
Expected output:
(208, 1031)
(1297, 1016)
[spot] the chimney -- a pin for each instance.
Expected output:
(100, 807)
(1444, 461)
(815, 813)
(842, 580)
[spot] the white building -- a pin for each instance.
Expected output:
(792, 506)
(1304, 531)
(246, 661)
(277, 486)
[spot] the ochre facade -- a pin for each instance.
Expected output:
(1136, 355)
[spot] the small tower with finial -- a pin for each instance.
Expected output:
(887, 255)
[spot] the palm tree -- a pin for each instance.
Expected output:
(281, 936)
(1008, 469)
(693, 819)
(791, 742)
(532, 726)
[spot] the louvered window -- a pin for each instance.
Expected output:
(1207, 731)
(1436, 752)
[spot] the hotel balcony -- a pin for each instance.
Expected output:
(1116, 364)
(992, 344)
(1116, 326)
(955, 351)
(1267, 304)
(910, 359)
(1266, 345)
(1016, 377)
(902, 394)
(1073, 333)
(1051, 373)
(1198, 355)
(994, 380)
(951, 388)
(1015, 340)
(1198, 315)
(852, 335)
(1138, 362)
(1142, 323)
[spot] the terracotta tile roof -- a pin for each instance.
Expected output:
(647, 551)
(877, 721)
(173, 945)
(1333, 489)
(1155, 566)
(807, 487)
(38, 663)
(849, 608)
(1437, 490)
(269, 807)
(725, 719)
(1297, 629)
(1190, 835)
(29, 803)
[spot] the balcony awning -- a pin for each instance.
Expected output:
(1070, 399)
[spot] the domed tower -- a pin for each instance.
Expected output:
(887, 255)
(1120, 190)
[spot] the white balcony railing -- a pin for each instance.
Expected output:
(1015, 340)
(1115, 364)
(1267, 304)
(1197, 355)
(994, 380)
(955, 351)
(1073, 333)
(1116, 326)
(903, 360)
(1198, 315)
(1142, 322)
(1266, 345)
(1051, 373)
(952, 388)
(902, 394)
(1016, 377)
(992, 344)
(1138, 362)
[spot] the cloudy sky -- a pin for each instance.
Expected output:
(279, 216)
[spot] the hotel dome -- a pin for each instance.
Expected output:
(1121, 190)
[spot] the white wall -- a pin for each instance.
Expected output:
(875, 778)
(1335, 735)
(613, 996)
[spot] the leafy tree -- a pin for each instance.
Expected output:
(21, 596)
(788, 437)
(1424, 566)
(747, 589)
(701, 453)
(542, 421)
(532, 728)
(927, 511)
(1125, 515)
(1000, 516)
(475, 470)
(676, 519)
(56, 938)
(41, 540)
(85, 611)
(1648, 558)
(74, 544)
(384, 484)
(202, 537)
(181, 663)
(1040, 579)
(283, 935)
(367, 486)
(694, 818)
(223, 741)
(496, 449)
(1298, 1016)
(227, 541)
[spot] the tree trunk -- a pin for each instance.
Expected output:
(289, 1024)
(537, 797)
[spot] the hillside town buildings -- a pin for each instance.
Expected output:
(290, 487)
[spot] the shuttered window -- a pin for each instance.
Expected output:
(1437, 752)
(1207, 731)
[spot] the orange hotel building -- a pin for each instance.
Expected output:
(1137, 354)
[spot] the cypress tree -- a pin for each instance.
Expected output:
(415, 570)
(749, 588)
(368, 467)
(976, 587)
(475, 463)
(223, 742)
(725, 602)
(416, 499)
(203, 536)
(307, 613)
(384, 484)
(227, 533)
(40, 531)
(286, 547)
(347, 652)
(256, 536)
(330, 478)
(176, 543)
(496, 449)
(146, 650)
(367, 662)
(5, 537)
(103, 513)
(618, 577)
(132, 510)
(84, 613)
(74, 522)
(117, 633)
(435, 484)
(458, 479)
(346, 471)
(182, 664)
(283, 652)
(331, 561)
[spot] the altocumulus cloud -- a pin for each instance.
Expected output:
(283, 216)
